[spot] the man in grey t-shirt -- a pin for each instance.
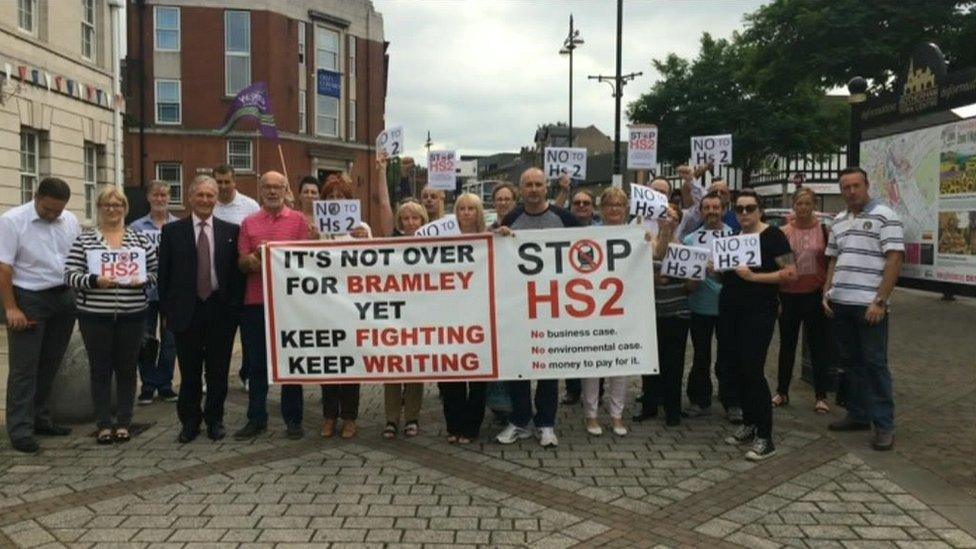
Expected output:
(534, 212)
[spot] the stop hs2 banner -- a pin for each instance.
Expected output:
(543, 304)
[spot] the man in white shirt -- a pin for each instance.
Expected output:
(233, 207)
(39, 307)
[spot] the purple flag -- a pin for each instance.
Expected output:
(252, 102)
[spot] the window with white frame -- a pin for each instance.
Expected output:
(168, 102)
(302, 120)
(237, 51)
(301, 43)
(27, 15)
(172, 173)
(88, 29)
(326, 57)
(91, 179)
(29, 147)
(167, 33)
(239, 154)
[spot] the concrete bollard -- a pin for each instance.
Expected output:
(71, 400)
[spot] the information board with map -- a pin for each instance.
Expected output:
(928, 177)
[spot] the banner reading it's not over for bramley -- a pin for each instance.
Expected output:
(565, 303)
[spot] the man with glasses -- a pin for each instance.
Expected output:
(39, 308)
(274, 222)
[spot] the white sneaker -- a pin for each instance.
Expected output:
(547, 437)
(620, 431)
(594, 430)
(512, 434)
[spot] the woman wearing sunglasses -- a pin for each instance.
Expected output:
(748, 306)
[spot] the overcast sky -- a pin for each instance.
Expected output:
(481, 75)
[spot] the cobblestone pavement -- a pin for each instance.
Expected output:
(668, 487)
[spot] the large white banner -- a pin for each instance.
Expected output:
(562, 303)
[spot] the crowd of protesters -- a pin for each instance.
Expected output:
(203, 283)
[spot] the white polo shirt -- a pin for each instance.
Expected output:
(36, 249)
(237, 209)
(860, 242)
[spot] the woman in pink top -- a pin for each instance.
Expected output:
(800, 300)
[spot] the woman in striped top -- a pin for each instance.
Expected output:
(111, 311)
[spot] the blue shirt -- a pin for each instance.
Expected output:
(145, 224)
(704, 300)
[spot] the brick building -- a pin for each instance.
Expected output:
(56, 99)
(325, 65)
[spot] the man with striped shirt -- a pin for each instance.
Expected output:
(866, 248)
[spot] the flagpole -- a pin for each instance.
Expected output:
(281, 156)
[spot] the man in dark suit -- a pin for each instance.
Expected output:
(200, 295)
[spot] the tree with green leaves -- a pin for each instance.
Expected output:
(716, 93)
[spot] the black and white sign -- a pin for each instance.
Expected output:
(337, 216)
(124, 265)
(560, 160)
(685, 262)
(442, 170)
(714, 148)
(445, 226)
(731, 252)
(391, 141)
(647, 203)
(642, 148)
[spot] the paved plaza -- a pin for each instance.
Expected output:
(667, 487)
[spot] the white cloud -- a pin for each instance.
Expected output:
(481, 75)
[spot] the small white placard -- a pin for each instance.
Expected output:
(642, 148)
(391, 141)
(445, 226)
(731, 252)
(125, 265)
(560, 160)
(442, 170)
(685, 262)
(647, 203)
(336, 216)
(711, 148)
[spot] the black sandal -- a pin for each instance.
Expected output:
(411, 429)
(104, 436)
(122, 435)
(390, 430)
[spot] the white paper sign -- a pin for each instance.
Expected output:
(546, 304)
(336, 216)
(685, 262)
(441, 170)
(125, 265)
(391, 141)
(717, 148)
(445, 226)
(647, 203)
(703, 237)
(734, 251)
(560, 160)
(642, 148)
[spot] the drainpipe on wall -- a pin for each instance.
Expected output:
(116, 14)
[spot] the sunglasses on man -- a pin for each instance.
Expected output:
(748, 208)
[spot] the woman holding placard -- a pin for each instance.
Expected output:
(464, 402)
(109, 266)
(341, 400)
(801, 300)
(747, 307)
(308, 193)
(405, 397)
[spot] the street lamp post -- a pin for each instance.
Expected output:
(857, 87)
(617, 84)
(571, 42)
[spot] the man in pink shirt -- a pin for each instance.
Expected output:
(274, 222)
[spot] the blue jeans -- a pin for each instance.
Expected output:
(546, 401)
(863, 351)
(252, 334)
(158, 376)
